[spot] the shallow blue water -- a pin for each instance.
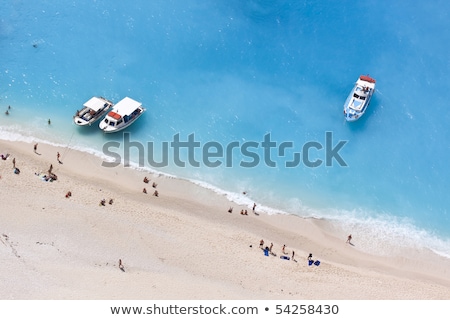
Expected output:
(233, 71)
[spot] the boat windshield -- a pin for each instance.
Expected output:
(359, 97)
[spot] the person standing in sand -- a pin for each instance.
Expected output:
(35, 147)
(121, 267)
(283, 249)
(58, 156)
(14, 163)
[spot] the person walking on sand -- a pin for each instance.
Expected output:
(293, 254)
(57, 157)
(254, 207)
(14, 163)
(349, 239)
(270, 248)
(283, 249)
(35, 147)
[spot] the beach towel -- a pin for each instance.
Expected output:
(310, 262)
(317, 262)
(285, 257)
(266, 252)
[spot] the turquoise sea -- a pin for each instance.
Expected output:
(231, 72)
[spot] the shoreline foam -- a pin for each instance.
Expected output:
(180, 245)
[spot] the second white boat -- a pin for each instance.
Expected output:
(124, 113)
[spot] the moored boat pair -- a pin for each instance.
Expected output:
(118, 117)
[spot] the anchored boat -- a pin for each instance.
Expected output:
(359, 98)
(93, 110)
(124, 113)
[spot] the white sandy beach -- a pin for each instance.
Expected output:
(180, 245)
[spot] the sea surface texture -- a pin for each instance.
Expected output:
(262, 81)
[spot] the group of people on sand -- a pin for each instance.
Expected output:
(244, 212)
(103, 202)
(268, 250)
(154, 185)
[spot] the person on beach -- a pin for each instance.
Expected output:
(50, 169)
(154, 185)
(156, 193)
(49, 122)
(283, 249)
(270, 248)
(14, 163)
(310, 257)
(121, 267)
(57, 157)
(35, 147)
(261, 243)
(146, 180)
(349, 239)
(245, 213)
(111, 201)
(102, 202)
(254, 207)
(293, 254)
(144, 190)
(4, 157)
(242, 211)
(68, 194)
(230, 210)
(7, 112)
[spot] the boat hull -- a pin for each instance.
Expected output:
(109, 129)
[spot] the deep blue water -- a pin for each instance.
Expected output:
(233, 71)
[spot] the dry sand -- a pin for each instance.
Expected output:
(180, 245)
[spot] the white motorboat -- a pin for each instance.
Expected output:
(124, 113)
(93, 110)
(359, 98)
